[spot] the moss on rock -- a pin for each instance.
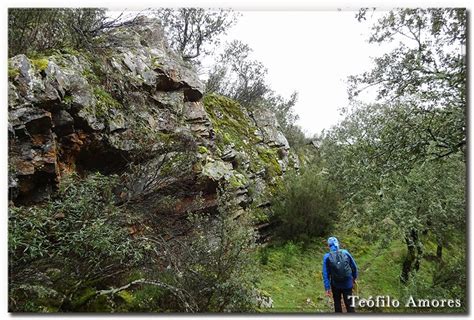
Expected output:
(203, 150)
(13, 72)
(229, 121)
(270, 158)
(40, 64)
(238, 180)
(104, 102)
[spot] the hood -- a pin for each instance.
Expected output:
(333, 243)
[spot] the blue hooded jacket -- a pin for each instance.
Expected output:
(328, 282)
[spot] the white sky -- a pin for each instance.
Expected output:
(312, 52)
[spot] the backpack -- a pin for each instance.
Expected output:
(339, 265)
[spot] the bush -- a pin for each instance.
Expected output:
(213, 269)
(290, 250)
(76, 238)
(449, 282)
(307, 207)
(65, 252)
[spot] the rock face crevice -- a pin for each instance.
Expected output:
(140, 112)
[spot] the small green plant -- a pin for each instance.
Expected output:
(40, 64)
(68, 100)
(203, 150)
(290, 251)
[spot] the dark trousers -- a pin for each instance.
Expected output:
(345, 293)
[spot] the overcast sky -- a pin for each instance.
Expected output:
(311, 52)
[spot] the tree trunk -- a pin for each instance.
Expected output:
(419, 249)
(410, 257)
(439, 251)
(413, 257)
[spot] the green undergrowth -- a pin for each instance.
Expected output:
(104, 102)
(292, 276)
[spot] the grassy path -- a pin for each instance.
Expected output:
(292, 277)
(292, 274)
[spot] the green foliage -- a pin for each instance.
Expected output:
(291, 275)
(450, 278)
(445, 280)
(427, 71)
(393, 178)
(146, 299)
(238, 180)
(67, 99)
(307, 206)
(203, 150)
(214, 265)
(12, 72)
(401, 164)
(233, 126)
(270, 158)
(39, 29)
(80, 231)
(289, 250)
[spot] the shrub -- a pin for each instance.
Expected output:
(307, 206)
(65, 252)
(79, 233)
(449, 282)
(214, 267)
(289, 250)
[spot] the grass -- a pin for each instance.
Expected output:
(291, 275)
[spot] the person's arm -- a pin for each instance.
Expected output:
(327, 283)
(355, 270)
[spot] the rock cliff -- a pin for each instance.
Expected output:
(138, 111)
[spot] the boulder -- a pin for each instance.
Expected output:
(267, 125)
(217, 170)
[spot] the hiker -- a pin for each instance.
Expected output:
(339, 274)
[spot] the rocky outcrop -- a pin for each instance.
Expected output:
(138, 111)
